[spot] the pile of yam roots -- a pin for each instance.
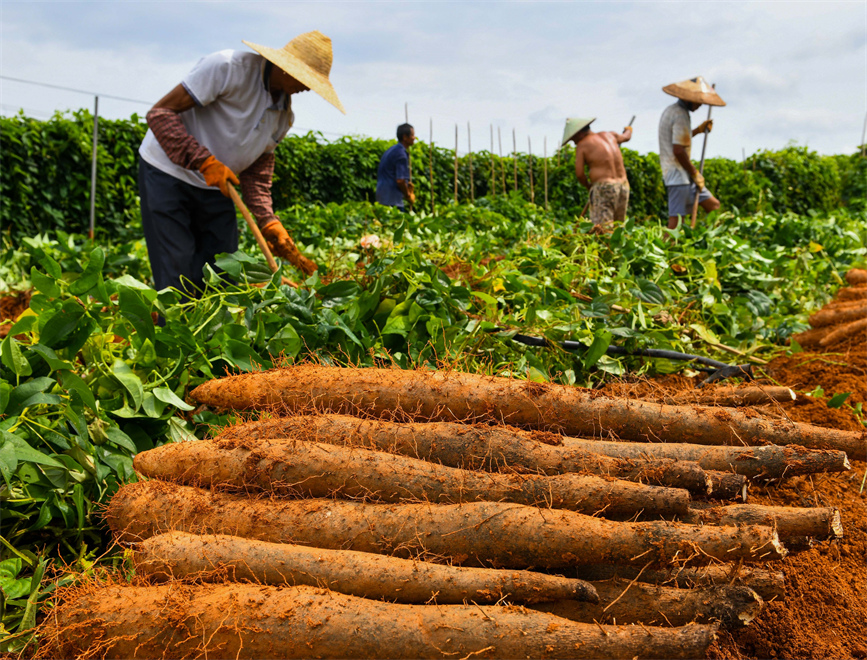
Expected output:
(842, 319)
(433, 514)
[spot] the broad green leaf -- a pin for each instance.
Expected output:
(61, 324)
(24, 452)
(129, 380)
(597, 349)
(838, 399)
(8, 461)
(92, 274)
(12, 357)
(44, 283)
(165, 395)
(50, 357)
(71, 382)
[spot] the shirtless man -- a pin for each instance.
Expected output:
(608, 186)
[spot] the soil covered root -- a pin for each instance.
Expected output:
(843, 333)
(770, 585)
(836, 316)
(728, 486)
(855, 292)
(624, 602)
(469, 446)
(733, 396)
(256, 621)
(819, 523)
(856, 276)
(297, 468)
(477, 533)
(455, 396)
(768, 462)
(219, 558)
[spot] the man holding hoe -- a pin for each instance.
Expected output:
(608, 185)
(392, 176)
(682, 180)
(220, 127)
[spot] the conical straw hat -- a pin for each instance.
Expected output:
(307, 58)
(694, 90)
(573, 126)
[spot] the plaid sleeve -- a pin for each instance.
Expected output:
(181, 147)
(256, 188)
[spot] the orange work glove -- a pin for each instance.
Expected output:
(283, 246)
(217, 174)
(705, 126)
(698, 179)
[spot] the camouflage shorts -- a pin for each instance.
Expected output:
(608, 202)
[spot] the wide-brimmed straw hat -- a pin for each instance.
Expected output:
(574, 126)
(307, 58)
(694, 90)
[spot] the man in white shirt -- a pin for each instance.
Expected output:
(682, 180)
(220, 127)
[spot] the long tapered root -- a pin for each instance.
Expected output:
(312, 469)
(477, 533)
(455, 396)
(253, 621)
(179, 555)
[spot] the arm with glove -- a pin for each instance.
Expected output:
(181, 147)
(256, 190)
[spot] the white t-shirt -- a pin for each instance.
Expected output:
(674, 128)
(235, 117)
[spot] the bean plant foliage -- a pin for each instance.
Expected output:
(88, 379)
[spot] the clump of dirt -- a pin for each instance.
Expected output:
(12, 303)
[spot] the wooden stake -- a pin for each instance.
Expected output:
(493, 173)
(530, 153)
(456, 164)
(470, 155)
(515, 158)
(433, 209)
(406, 120)
(545, 161)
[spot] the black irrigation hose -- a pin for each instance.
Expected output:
(619, 350)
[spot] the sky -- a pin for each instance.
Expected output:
(790, 72)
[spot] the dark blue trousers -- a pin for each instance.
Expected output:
(184, 227)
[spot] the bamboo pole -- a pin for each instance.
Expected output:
(700, 169)
(493, 172)
(93, 168)
(430, 163)
(515, 159)
(406, 120)
(545, 161)
(456, 164)
(530, 152)
(470, 156)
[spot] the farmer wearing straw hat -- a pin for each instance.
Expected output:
(219, 127)
(681, 178)
(608, 185)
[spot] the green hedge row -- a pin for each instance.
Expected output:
(45, 176)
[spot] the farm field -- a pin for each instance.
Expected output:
(88, 381)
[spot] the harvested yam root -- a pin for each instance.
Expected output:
(215, 558)
(769, 462)
(470, 447)
(820, 523)
(623, 602)
(826, 317)
(454, 396)
(478, 533)
(252, 621)
(728, 486)
(855, 292)
(856, 276)
(844, 332)
(311, 469)
(770, 585)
